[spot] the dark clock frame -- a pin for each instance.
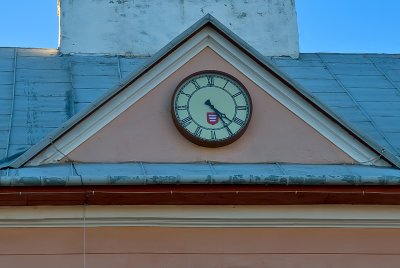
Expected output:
(208, 143)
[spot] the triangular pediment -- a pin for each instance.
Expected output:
(134, 122)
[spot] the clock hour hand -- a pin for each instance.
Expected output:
(221, 115)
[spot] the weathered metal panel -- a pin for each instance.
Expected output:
(107, 59)
(43, 89)
(6, 92)
(42, 63)
(373, 94)
(3, 138)
(88, 95)
(59, 104)
(282, 62)
(3, 152)
(388, 108)
(320, 85)
(308, 56)
(376, 81)
(344, 58)
(6, 64)
(5, 106)
(29, 135)
(393, 75)
(7, 52)
(395, 141)
(335, 99)
(384, 58)
(351, 114)
(98, 68)
(81, 105)
(6, 78)
(353, 69)
(126, 75)
(95, 81)
(388, 123)
(307, 72)
(132, 64)
(42, 76)
(38, 119)
(4, 122)
(370, 130)
(18, 148)
(388, 65)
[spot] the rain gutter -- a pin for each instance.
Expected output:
(203, 179)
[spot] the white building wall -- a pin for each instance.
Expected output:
(142, 27)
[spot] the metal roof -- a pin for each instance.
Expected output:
(363, 90)
(41, 89)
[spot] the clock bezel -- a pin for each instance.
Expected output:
(203, 142)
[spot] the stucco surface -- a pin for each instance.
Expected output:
(145, 132)
(199, 247)
(145, 26)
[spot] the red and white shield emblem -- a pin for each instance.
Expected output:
(212, 118)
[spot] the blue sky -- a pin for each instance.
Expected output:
(324, 25)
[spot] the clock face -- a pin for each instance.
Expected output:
(211, 108)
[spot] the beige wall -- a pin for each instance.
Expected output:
(119, 247)
(145, 132)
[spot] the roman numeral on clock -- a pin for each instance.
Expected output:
(198, 131)
(238, 121)
(210, 80)
(182, 107)
(241, 107)
(194, 82)
(183, 93)
(186, 121)
(237, 94)
(213, 136)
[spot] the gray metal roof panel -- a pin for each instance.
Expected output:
(41, 89)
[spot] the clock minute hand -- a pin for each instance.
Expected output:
(221, 115)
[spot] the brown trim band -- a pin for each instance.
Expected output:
(200, 195)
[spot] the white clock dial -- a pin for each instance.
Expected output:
(211, 108)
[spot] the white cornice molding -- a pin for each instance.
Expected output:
(232, 54)
(326, 216)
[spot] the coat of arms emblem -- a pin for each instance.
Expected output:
(212, 118)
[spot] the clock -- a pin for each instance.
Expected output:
(211, 108)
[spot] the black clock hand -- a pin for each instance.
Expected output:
(220, 115)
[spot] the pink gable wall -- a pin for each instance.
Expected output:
(145, 132)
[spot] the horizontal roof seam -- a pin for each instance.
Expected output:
(358, 105)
